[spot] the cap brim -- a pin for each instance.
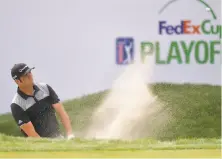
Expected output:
(29, 70)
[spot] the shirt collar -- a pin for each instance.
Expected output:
(25, 96)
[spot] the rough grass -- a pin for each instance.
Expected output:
(196, 111)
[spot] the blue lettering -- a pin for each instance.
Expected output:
(169, 29)
(161, 26)
(179, 28)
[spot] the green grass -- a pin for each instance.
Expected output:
(202, 153)
(194, 129)
(20, 144)
(26, 148)
(195, 111)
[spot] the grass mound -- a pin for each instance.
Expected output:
(196, 111)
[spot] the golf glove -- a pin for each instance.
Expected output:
(71, 136)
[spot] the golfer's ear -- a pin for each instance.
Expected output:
(18, 81)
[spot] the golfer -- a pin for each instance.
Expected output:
(35, 105)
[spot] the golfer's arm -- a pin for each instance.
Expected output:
(29, 129)
(64, 117)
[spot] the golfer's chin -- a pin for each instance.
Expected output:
(31, 84)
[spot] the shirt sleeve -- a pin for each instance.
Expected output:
(19, 114)
(53, 96)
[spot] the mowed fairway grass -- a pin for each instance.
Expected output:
(14, 147)
(117, 154)
(194, 130)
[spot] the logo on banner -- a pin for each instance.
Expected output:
(124, 51)
(185, 51)
(188, 26)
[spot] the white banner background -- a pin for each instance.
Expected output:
(72, 43)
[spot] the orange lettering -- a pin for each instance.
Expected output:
(186, 26)
(196, 29)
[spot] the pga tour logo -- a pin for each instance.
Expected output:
(124, 51)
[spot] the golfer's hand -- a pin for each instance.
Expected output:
(71, 136)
